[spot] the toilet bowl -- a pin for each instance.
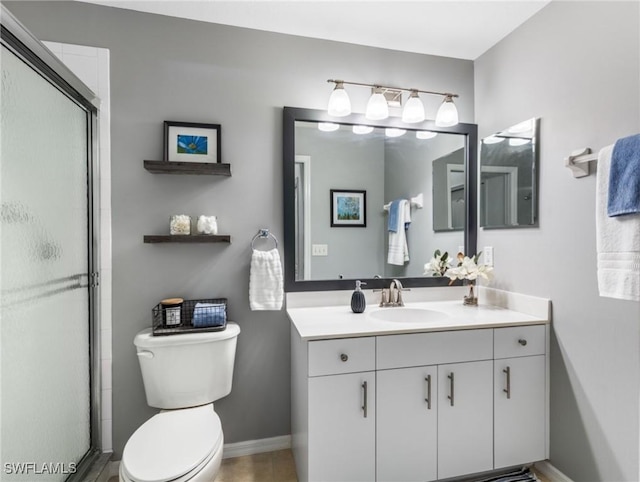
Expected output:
(175, 445)
(183, 375)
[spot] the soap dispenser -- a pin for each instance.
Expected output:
(358, 302)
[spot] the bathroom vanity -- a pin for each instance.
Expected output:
(428, 391)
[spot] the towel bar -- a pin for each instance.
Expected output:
(263, 233)
(417, 201)
(579, 161)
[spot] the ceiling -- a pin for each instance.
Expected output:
(450, 28)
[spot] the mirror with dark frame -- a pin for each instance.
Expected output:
(508, 177)
(339, 184)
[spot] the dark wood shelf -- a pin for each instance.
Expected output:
(185, 238)
(202, 168)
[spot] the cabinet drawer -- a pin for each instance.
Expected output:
(345, 355)
(519, 341)
(398, 351)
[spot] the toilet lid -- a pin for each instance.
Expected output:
(172, 443)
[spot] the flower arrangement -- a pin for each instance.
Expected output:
(467, 269)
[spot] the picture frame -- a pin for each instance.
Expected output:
(348, 208)
(192, 142)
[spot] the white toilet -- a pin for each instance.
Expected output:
(183, 375)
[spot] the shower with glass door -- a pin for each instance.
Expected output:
(49, 378)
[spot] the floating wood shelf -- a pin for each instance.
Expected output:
(184, 238)
(203, 168)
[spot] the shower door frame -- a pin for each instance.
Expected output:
(15, 37)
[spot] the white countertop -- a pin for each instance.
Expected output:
(325, 322)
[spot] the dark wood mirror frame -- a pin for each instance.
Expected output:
(293, 114)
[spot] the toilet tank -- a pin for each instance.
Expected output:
(187, 370)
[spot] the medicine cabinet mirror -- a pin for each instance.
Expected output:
(371, 166)
(508, 177)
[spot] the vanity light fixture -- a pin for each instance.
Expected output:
(362, 129)
(518, 141)
(328, 126)
(382, 97)
(339, 103)
(413, 110)
(493, 139)
(447, 115)
(394, 132)
(425, 135)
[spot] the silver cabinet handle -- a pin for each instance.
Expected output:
(507, 390)
(344, 357)
(364, 407)
(522, 341)
(428, 399)
(451, 387)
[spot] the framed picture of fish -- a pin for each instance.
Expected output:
(191, 142)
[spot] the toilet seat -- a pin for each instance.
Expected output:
(172, 445)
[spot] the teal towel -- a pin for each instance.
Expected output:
(209, 314)
(624, 177)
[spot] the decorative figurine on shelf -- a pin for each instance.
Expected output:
(180, 224)
(207, 225)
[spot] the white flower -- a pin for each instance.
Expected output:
(469, 270)
(438, 265)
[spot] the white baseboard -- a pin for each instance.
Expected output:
(250, 447)
(549, 471)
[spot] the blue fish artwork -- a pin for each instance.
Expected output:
(192, 144)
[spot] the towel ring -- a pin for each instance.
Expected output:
(264, 233)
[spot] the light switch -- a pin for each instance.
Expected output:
(319, 250)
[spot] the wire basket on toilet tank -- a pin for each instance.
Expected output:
(189, 316)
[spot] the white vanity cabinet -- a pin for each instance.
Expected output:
(452, 435)
(341, 388)
(419, 406)
(519, 395)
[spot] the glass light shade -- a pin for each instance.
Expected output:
(522, 127)
(425, 135)
(447, 115)
(394, 132)
(339, 103)
(328, 126)
(492, 140)
(413, 110)
(518, 141)
(362, 129)
(377, 107)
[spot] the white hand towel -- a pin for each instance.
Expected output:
(265, 281)
(618, 242)
(398, 247)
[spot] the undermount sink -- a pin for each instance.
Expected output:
(409, 315)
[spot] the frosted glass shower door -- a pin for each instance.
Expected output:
(45, 398)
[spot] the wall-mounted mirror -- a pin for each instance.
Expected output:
(508, 177)
(340, 182)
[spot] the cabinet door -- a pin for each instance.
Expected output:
(465, 418)
(407, 424)
(342, 436)
(519, 410)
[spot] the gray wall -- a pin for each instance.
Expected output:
(576, 66)
(171, 69)
(409, 170)
(343, 160)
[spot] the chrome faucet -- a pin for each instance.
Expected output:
(392, 296)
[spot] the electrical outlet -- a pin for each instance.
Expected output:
(319, 250)
(487, 254)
